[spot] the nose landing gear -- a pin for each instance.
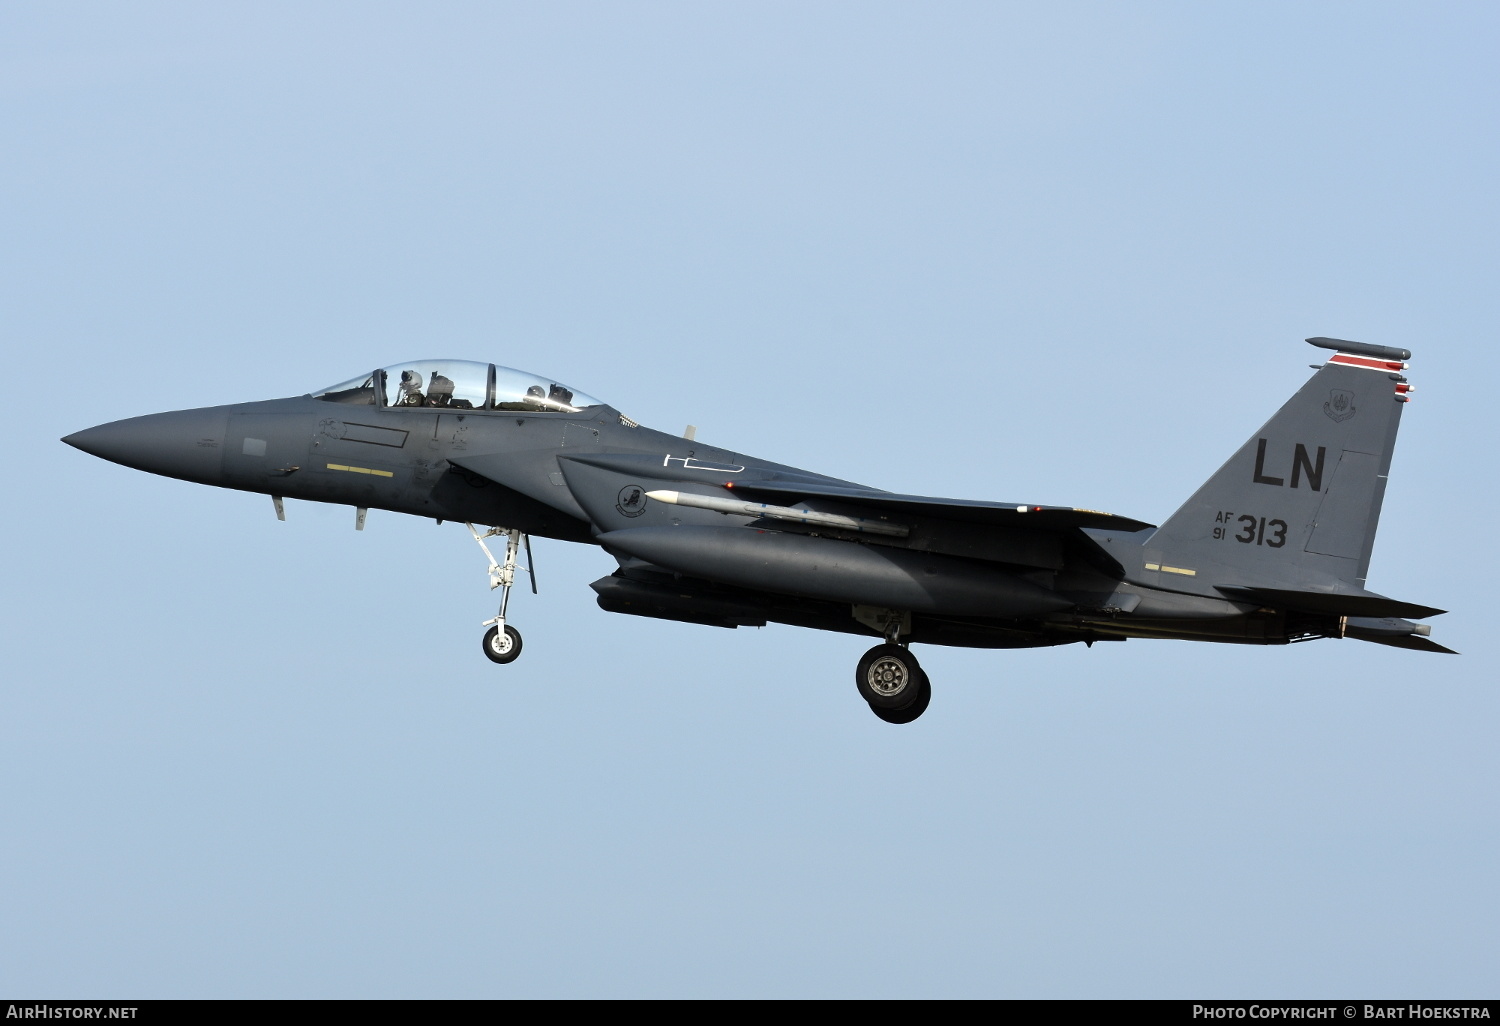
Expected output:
(502, 642)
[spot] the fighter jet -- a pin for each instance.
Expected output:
(1272, 549)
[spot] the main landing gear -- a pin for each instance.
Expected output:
(502, 642)
(891, 680)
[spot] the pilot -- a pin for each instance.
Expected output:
(440, 393)
(411, 389)
(439, 390)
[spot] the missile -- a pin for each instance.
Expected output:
(761, 509)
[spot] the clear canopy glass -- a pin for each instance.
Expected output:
(517, 390)
(452, 384)
(458, 385)
(358, 391)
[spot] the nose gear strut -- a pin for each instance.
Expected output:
(502, 642)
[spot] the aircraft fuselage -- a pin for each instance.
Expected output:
(1273, 548)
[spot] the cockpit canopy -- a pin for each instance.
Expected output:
(458, 385)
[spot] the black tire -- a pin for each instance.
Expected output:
(502, 650)
(889, 677)
(911, 712)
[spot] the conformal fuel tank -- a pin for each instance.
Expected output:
(836, 571)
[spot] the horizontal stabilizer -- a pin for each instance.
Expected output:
(998, 514)
(1411, 641)
(1333, 604)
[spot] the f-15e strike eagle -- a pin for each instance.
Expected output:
(1272, 549)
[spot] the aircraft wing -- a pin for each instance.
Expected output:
(996, 514)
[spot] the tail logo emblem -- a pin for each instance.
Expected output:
(1340, 405)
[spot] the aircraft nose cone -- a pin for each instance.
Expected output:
(186, 444)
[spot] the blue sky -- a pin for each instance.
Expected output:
(1044, 253)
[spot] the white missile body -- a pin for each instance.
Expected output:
(761, 509)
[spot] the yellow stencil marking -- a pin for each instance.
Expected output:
(1178, 570)
(361, 470)
(1152, 566)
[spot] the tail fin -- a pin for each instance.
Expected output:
(1296, 507)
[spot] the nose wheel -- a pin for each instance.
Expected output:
(502, 645)
(502, 642)
(893, 683)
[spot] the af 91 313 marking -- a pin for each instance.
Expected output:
(1253, 531)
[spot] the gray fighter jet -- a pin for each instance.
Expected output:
(1272, 549)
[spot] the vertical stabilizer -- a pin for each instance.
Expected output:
(1297, 505)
